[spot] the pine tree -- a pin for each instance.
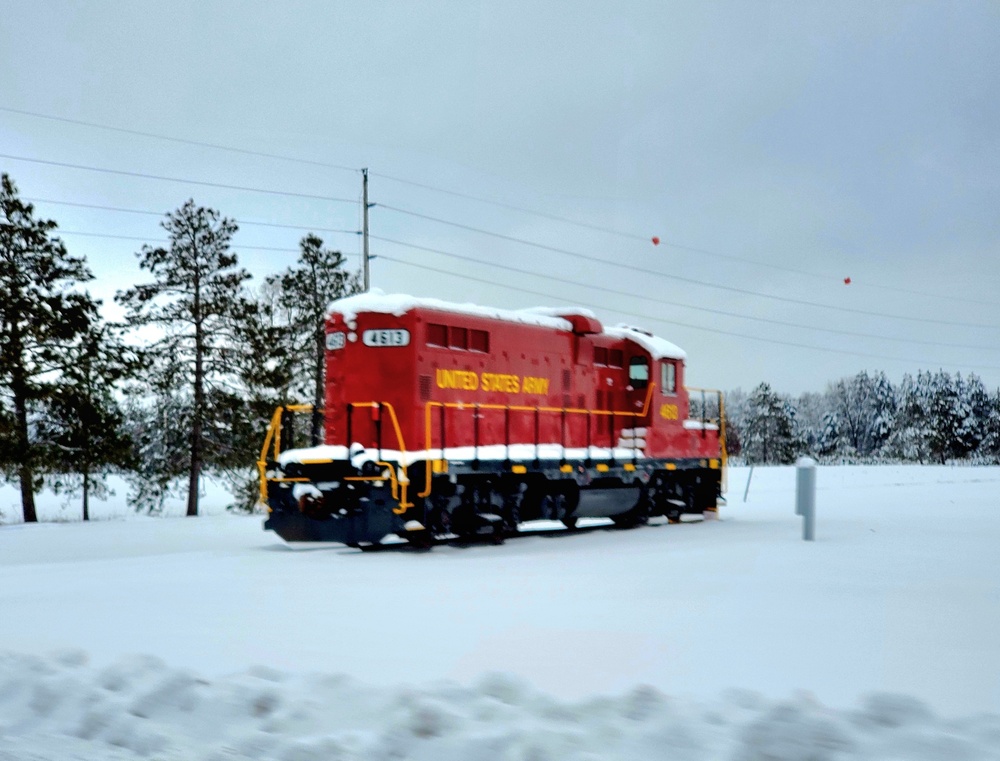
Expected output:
(197, 284)
(809, 419)
(264, 369)
(863, 407)
(910, 436)
(829, 437)
(943, 417)
(82, 424)
(769, 429)
(989, 447)
(40, 317)
(973, 411)
(305, 292)
(158, 416)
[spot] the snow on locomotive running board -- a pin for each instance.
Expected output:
(175, 638)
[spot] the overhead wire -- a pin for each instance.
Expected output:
(663, 302)
(677, 323)
(566, 281)
(182, 180)
(163, 240)
(149, 212)
(180, 140)
(484, 200)
(691, 281)
(644, 271)
(513, 207)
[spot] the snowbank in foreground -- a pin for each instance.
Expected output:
(60, 708)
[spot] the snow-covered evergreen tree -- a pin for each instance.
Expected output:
(973, 411)
(910, 436)
(810, 411)
(944, 417)
(862, 412)
(158, 416)
(989, 447)
(768, 432)
(81, 424)
(304, 293)
(829, 435)
(196, 287)
(41, 315)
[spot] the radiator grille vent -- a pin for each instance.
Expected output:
(425, 388)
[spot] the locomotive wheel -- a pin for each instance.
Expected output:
(676, 500)
(563, 505)
(511, 515)
(420, 540)
(463, 522)
(499, 532)
(440, 519)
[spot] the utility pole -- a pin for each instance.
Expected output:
(364, 228)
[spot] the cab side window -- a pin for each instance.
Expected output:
(638, 372)
(668, 378)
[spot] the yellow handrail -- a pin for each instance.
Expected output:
(403, 482)
(273, 438)
(721, 420)
(400, 485)
(515, 408)
(273, 435)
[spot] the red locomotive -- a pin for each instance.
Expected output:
(448, 419)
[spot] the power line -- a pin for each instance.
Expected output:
(661, 241)
(326, 165)
(559, 280)
(513, 207)
(615, 309)
(160, 214)
(181, 140)
(662, 302)
(175, 179)
(690, 281)
(469, 196)
(164, 240)
(688, 325)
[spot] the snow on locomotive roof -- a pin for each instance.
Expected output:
(398, 304)
(659, 348)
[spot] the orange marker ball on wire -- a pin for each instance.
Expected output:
(656, 240)
(847, 281)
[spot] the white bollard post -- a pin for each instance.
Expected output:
(805, 496)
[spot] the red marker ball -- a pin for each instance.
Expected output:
(847, 281)
(656, 241)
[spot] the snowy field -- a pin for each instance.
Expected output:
(175, 638)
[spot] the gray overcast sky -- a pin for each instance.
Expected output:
(776, 148)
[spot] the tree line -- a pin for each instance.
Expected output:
(185, 385)
(930, 417)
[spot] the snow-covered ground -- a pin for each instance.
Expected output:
(174, 638)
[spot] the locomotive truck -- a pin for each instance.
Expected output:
(447, 420)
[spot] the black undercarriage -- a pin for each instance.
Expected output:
(335, 502)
